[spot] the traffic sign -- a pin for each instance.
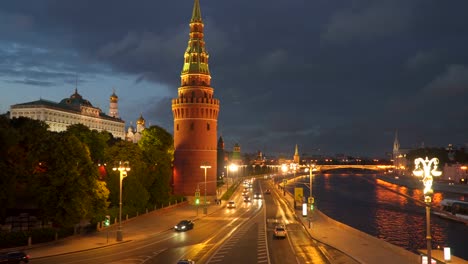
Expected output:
(197, 194)
(311, 200)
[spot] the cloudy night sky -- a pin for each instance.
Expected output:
(331, 76)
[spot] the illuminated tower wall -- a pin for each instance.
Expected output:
(195, 112)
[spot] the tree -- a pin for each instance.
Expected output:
(134, 192)
(21, 139)
(68, 189)
(96, 141)
(158, 150)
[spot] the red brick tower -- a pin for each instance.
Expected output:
(195, 113)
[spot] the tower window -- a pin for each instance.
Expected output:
(207, 126)
(177, 127)
(191, 126)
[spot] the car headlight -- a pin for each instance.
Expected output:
(176, 227)
(183, 227)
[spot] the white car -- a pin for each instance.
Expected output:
(280, 231)
(231, 204)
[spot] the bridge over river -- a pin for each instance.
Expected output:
(323, 168)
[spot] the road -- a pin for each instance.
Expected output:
(240, 235)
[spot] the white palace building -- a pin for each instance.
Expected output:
(73, 110)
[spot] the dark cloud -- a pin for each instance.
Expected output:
(339, 76)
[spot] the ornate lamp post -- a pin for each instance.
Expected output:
(123, 169)
(311, 168)
(205, 167)
(427, 174)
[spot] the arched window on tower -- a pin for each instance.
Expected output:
(208, 126)
(177, 127)
(191, 126)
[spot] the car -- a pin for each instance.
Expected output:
(247, 199)
(231, 204)
(14, 257)
(257, 196)
(184, 225)
(186, 261)
(279, 232)
(244, 193)
(267, 191)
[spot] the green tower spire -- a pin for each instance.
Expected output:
(196, 13)
(196, 56)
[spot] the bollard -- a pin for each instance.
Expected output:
(126, 217)
(146, 210)
(56, 235)
(29, 241)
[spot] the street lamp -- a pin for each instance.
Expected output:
(234, 168)
(427, 174)
(311, 168)
(284, 168)
(123, 169)
(205, 167)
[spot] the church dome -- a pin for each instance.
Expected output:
(140, 121)
(75, 100)
(114, 98)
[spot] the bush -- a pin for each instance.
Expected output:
(20, 238)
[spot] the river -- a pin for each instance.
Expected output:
(376, 208)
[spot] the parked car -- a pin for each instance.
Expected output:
(280, 231)
(16, 257)
(184, 225)
(231, 204)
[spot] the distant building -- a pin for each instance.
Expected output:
(296, 157)
(134, 135)
(70, 111)
(399, 156)
(221, 158)
(236, 155)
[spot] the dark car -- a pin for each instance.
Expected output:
(14, 257)
(184, 225)
(186, 261)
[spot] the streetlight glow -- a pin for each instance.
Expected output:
(123, 169)
(426, 172)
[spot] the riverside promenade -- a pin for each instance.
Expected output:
(359, 246)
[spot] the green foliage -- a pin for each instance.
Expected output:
(94, 140)
(68, 191)
(21, 139)
(158, 152)
(57, 173)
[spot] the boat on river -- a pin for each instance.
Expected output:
(453, 209)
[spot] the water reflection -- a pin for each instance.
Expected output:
(387, 211)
